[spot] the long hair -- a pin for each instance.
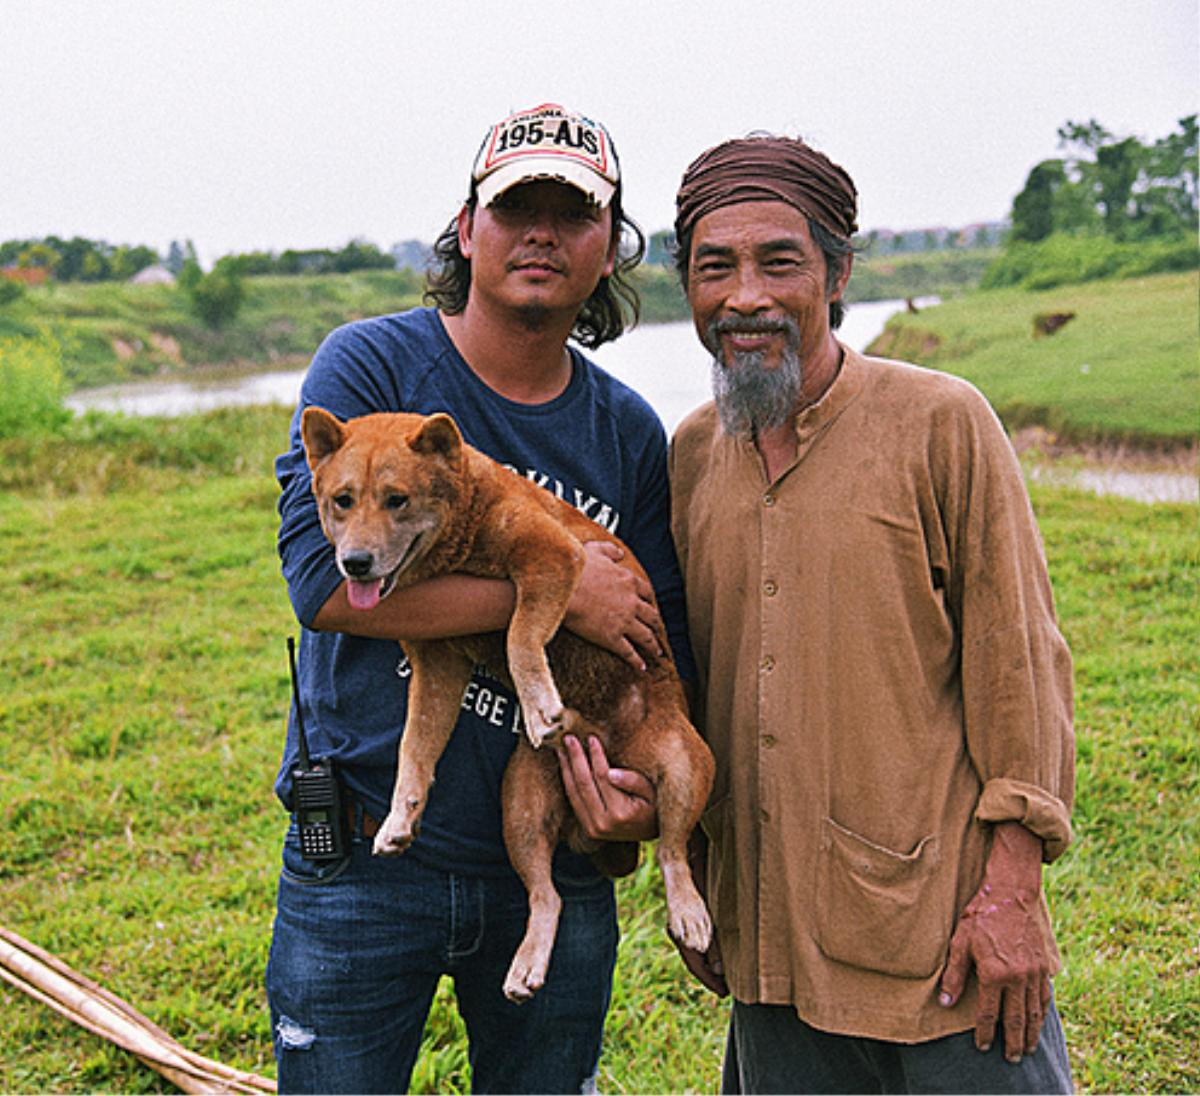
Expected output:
(613, 306)
(834, 248)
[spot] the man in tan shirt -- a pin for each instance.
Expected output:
(881, 676)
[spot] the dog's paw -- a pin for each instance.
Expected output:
(548, 730)
(689, 924)
(394, 836)
(543, 729)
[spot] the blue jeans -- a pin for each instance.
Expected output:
(770, 1049)
(358, 949)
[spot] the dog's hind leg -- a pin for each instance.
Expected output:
(440, 675)
(675, 758)
(534, 808)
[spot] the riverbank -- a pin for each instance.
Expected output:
(113, 332)
(1168, 473)
(1119, 366)
(666, 363)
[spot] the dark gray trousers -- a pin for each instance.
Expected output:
(771, 1050)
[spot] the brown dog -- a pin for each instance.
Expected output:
(403, 498)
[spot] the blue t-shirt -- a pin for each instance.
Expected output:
(598, 445)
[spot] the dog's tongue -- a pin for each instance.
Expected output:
(363, 595)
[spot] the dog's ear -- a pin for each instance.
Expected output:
(322, 433)
(438, 436)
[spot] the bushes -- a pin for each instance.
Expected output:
(217, 296)
(31, 388)
(1069, 260)
(10, 291)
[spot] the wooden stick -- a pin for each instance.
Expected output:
(47, 979)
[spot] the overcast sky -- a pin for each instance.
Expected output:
(264, 124)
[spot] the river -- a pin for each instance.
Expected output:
(664, 362)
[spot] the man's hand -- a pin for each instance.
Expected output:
(611, 804)
(613, 607)
(1000, 934)
(706, 967)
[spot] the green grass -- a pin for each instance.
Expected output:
(1126, 368)
(144, 688)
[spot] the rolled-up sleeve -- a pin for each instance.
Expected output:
(1017, 680)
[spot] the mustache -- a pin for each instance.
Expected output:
(753, 325)
(535, 258)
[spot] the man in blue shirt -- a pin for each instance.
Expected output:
(538, 253)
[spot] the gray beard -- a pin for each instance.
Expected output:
(751, 399)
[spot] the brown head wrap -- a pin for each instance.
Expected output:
(756, 169)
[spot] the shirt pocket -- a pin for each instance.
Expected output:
(882, 910)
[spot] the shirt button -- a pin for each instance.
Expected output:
(768, 740)
(764, 815)
(768, 499)
(770, 588)
(768, 663)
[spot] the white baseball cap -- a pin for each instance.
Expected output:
(547, 142)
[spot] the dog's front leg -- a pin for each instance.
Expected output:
(440, 675)
(544, 583)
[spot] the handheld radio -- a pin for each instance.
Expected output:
(316, 795)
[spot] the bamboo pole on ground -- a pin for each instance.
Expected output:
(49, 980)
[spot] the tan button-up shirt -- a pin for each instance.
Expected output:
(881, 676)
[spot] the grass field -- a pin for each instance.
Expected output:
(1126, 368)
(143, 698)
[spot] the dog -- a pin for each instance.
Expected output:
(403, 498)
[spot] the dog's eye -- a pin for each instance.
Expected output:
(396, 502)
(343, 501)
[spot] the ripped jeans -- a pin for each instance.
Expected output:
(358, 949)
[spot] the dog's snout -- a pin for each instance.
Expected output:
(358, 564)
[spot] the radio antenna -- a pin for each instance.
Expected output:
(301, 737)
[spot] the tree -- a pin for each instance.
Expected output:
(127, 261)
(1166, 192)
(1033, 208)
(189, 274)
(39, 256)
(178, 254)
(361, 255)
(1117, 167)
(1119, 188)
(217, 296)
